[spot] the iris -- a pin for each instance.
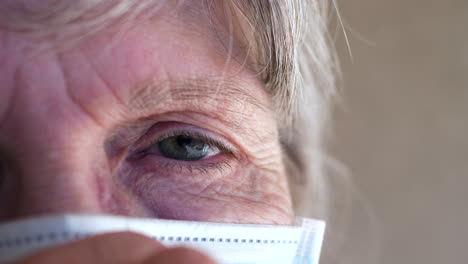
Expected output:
(183, 147)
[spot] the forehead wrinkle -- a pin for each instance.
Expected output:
(152, 94)
(240, 107)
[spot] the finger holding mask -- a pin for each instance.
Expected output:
(150, 110)
(117, 248)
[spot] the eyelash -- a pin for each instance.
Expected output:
(226, 153)
(211, 141)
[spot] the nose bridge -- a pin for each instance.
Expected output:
(54, 177)
(54, 189)
(53, 154)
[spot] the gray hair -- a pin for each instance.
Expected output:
(291, 44)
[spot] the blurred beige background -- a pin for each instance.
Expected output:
(402, 128)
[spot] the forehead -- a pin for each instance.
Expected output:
(63, 24)
(166, 59)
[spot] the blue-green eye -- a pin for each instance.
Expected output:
(185, 147)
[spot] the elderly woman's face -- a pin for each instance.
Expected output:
(155, 122)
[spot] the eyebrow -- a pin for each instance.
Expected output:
(151, 94)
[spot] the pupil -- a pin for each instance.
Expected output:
(183, 148)
(183, 141)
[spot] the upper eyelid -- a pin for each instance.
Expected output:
(231, 103)
(232, 133)
(150, 137)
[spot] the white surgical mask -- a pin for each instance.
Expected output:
(226, 243)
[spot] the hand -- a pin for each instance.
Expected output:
(115, 248)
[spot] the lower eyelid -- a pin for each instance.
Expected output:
(221, 162)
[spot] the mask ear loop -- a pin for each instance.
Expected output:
(310, 244)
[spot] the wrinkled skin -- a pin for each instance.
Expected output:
(74, 122)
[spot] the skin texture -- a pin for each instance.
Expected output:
(73, 123)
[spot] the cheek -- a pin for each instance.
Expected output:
(241, 194)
